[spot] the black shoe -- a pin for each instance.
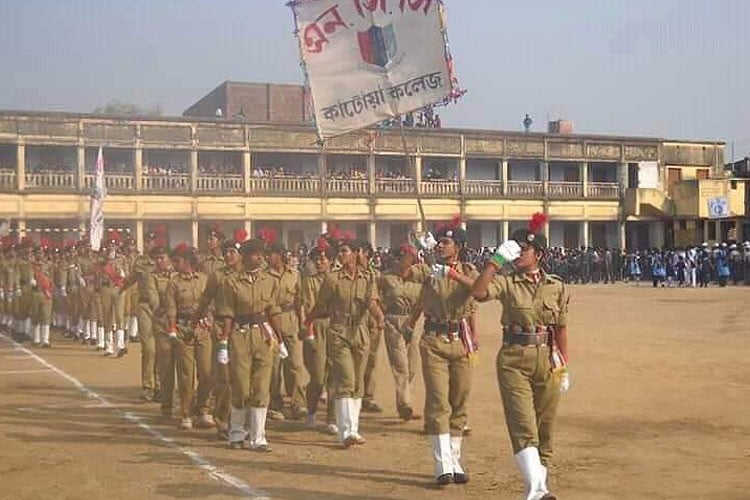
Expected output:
(406, 413)
(444, 479)
(371, 407)
(124, 351)
(156, 398)
(460, 477)
(46, 346)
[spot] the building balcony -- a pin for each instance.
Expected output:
(526, 189)
(8, 181)
(483, 189)
(355, 187)
(604, 190)
(226, 184)
(440, 188)
(301, 186)
(50, 181)
(175, 183)
(114, 183)
(564, 189)
(395, 186)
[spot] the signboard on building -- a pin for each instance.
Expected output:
(371, 60)
(718, 208)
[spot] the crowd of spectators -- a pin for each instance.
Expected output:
(168, 169)
(424, 118)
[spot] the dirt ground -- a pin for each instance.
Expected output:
(658, 408)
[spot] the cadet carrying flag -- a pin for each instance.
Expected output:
(371, 60)
(98, 193)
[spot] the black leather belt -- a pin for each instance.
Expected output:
(289, 308)
(441, 327)
(341, 318)
(249, 320)
(526, 339)
(397, 311)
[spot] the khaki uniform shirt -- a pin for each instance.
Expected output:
(183, 294)
(397, 295)
(211, 264)
(248, 293)
(347, 298)
(143, 267)
(528, 304)
(156, 293)
(288, 299)
(445, 300)
(309, 290)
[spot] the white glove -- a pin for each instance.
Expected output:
(222, 353)
(63, 292)
(18, 292)
(172, 335)
(32, 282)
(283, 351)
(440, 271)
(82, 282)
(427, 242)
(565, 382)
(2, 294)
(505, 253)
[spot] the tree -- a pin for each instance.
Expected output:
(115, 107)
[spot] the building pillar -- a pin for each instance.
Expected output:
(249, 228)
(193, 170)
(371, 174)
(21, 228)
(139, 243)
(21, 167)
(543, 175)
(462, 175)
(418, 226)
(81, 167)
(247, 170)
(719, 237)
(373, 233)
(622, 178)
(504, 176)
(138, 166)
(585, 233)
(418, 172)
(322, 168)
(195, 234)
(504, 231)
(323, 227)
(621, 235)
(585, 178)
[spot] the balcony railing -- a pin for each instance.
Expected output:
(50, 180)
(115, 183)
(288, 185)
(606, 190)
(395, 186)
(557, 189)
(173, 182)
(484, 189)
(228, 183)
(526, 189)
(8, 180)
(440, 188)
(347, 186)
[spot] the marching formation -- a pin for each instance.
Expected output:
(232, 331)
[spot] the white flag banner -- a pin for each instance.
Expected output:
(718, 208)
(97, 204)
(371, 60)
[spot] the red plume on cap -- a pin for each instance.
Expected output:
(240, 235)
(334, 232)
(268, 234)
(323, 244)
(454, 223)
(181, 248)
(44, 242)
(160, 242)
(537, 222)
(160, 230)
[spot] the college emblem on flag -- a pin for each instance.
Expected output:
(378, 45)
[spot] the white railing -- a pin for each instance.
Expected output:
(556, 189)
(174, 182)
(113, 182)
(50, 180)
(227, 183)
(484, 189)
(303, 185)
(526, 189)
(8, 180)
(395, 186)
(440, 188)
(608, 190)
(347, 186)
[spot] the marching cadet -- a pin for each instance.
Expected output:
(191, 341)
(210, 302)
(214, 261)
(73, 280)
(23, 277)
(250, 323)
(531, 365)
(42, 289)
(746, 262)
(364, 260)
(291, 367)
(347, 295)
(400, 298)
(8, 279)
(315, 336)
(446, 346)
(130, 293)
(157, 283)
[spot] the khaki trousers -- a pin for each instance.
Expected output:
(376, 334)
(251, 361)
(348, 347)
(290, 369)
(447, 373)
(166, 364)
(149, 374)
(194, 357)
(530, 394)
(315, 354)
(404, 359)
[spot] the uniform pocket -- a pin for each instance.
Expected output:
(551, 311)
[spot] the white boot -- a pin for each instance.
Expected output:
(100, 337)
(356, 408)
(36, 335)
(258, 429)
(86, 335)
(120, 339)
(534, 473)
(343, 418)
(45, 335)
(27, 327)
(237, 434)
(459, 475)
(109, 342)
(441, 453)
(133, 327)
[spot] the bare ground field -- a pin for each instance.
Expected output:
(658, 408)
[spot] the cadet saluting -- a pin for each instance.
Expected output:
(531, 365)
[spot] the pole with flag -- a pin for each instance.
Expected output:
(97, 204)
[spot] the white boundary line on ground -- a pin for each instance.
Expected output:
(15, 372)
(213, 471)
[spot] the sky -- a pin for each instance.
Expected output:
(677, 69)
